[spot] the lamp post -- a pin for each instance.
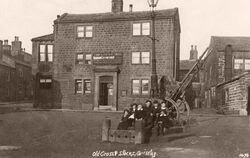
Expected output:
(154, 79)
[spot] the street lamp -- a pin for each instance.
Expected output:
(154, 79)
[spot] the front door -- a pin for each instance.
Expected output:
(106, 91)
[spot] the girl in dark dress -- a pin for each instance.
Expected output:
(156, 111)
(131, 118)
(139, 113)
(124, 123)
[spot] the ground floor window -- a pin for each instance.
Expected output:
(78, 86)
(87, 86)
(140, 86)
(82, 86)
(45, 83)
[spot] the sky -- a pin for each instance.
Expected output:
(200, 19)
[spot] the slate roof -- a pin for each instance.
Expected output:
(186, 64)
(100, 17)
(238, 43)
(49, 37)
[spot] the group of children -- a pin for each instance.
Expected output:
(154, 114)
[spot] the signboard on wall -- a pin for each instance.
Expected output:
(107, 58)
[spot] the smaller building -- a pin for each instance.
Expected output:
(234, 96)
(15, 72)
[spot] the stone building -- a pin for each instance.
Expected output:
(15, 72)
(230, 58)
(103, 61)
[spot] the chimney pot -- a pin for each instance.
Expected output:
(58, 16)
(131, 8)
(16, 38)
(117, 6)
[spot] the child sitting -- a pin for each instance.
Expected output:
(124, 123)
(139, 113)
(131, 118)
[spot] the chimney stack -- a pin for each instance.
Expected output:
(131, 8)
(16, 46)
(6, 42)
(16, 38)
(193, 53)
(117, 6)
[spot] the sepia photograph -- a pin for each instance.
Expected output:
(124, 79)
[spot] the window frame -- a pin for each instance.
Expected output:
(85, 91)
(47, 83)
(141, 58)
(85, 31)
(88, 60)
(77, 81)
(141, 30)
(79, 61)
(241, 65)
(46, 53)
(140, 93)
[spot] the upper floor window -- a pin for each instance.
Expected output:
(141, 29)
(88, 59)
(84, 31)
(79, 58)
(140, 87)
(247, 64)
(238, 64)
(140, 57)
(45, 83)
(46, 53)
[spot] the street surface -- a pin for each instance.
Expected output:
(77, 134)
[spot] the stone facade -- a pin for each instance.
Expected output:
(222, 65)
(15, 71)
(112, 38)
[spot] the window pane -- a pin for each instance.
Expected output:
(87, 86)
(89, 31)
(42, 80)
(80, 31)
(80, 56)
(247, 64)
(136, 87)
(78, 87)
(238, 63)
(136, 29)
(145, 87)
(145, 57)
(50, 57)
(88, 59)
(42, 48)
(42, 56)
(135, 57)
(42, 53)
(145, 28)
(50, 49)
